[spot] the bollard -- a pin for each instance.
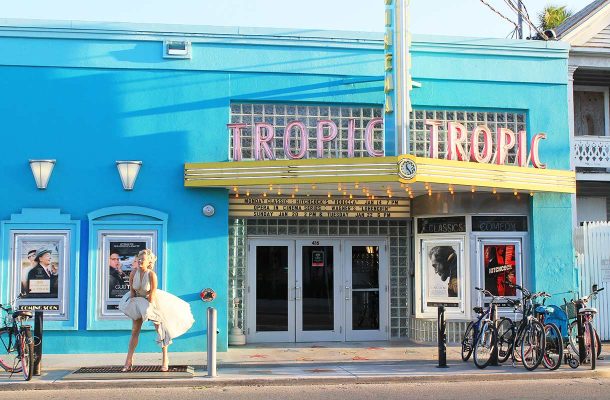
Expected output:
(582, 350)
(442, 338)
(494, 321)
(38, 325)
(212, 342)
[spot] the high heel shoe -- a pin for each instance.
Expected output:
(164, 369)
(127, 368)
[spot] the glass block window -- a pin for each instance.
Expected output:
(420, 133)
(280, 115)
(397, 233)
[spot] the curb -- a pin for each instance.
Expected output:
(288, 381)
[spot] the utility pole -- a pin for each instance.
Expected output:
(520, 21)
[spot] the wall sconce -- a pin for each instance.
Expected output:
(128, 171)
(42, 171)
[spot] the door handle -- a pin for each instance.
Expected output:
(347, 293)
(297, 293)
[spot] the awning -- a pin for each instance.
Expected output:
(400, 176)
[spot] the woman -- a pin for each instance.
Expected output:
(144, 302)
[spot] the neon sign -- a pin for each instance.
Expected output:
(493, 153)
(264, 135)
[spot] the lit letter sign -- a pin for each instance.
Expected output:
(332, 127)
(302, 140)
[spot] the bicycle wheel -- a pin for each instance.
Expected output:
(26, 350)
(516, 349)
(590, 344)
(573, 336)
(485, 344)
(9, 360)
(553, 348)
(532, 345)
(506, 337)
(468, 341)
(598, 344)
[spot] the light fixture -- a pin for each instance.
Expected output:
(494, 191)
(128, 171)
(42, 171)
(473, 189)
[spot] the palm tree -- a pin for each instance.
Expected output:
(553, 16)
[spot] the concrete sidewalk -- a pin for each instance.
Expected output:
(293, 364)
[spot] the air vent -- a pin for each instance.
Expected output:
(176, 49)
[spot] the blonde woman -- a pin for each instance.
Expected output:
(145, 302)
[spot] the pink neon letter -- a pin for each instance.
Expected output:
(368, 137)
(320, 134)
(302, 140)
(534, 151)
(434, 124)
(522, 149)
(236, 139)
(456, 137)
(351, 130)
(505, 140)
(261, 142)
(474, 144)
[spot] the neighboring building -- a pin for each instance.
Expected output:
(314, 221)
(588, 33)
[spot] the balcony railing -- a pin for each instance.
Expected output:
(592, 151)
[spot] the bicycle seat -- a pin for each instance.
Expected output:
(588, 310)
(22, 314)
(478, 310)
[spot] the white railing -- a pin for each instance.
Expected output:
(592, 151)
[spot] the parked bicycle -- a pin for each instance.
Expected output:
(17, 351)
(482, 336)
(551, 317)
(579, 307)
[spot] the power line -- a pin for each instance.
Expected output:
(498, 12)
(527, 19)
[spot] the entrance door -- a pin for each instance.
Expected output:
(366, 290)
(318, 291)
(270, 315)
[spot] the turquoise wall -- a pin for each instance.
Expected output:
(89, 99)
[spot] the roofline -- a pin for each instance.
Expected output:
(33, 28)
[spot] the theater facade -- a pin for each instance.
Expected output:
(275, 170)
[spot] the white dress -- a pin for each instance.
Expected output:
(171, 313)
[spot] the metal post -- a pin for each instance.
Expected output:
(494, 321)
(38, 326)
(211, 342)
(582, 350)
(520, 21)
(442, 338)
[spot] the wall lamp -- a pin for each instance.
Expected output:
(42, 172)
(128, 171)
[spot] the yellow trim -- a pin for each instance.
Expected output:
(376, 169)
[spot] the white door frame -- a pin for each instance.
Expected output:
(335, 334)
(263, 337)
(363, 335)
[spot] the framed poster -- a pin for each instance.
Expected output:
(117, 252)
(40, 267)
(442, 271)
(500, 264)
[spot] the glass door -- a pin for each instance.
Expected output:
(271, 316)
(366, 290)
(318, 291)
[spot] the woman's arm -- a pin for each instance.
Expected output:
(131, 291)
(153, 287)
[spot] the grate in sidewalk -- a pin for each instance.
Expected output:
(136, 368)
(138, 372)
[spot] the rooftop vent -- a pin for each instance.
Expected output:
(176, 49)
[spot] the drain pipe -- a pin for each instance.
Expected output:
(212, 333)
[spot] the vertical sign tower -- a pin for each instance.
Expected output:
(397, 83)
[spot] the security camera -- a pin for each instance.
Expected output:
(550, 33)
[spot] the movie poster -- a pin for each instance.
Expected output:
(442, 269)
(39, 266)
(500, 268)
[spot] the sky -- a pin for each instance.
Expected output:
(443, 17)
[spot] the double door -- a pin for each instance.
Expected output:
(317, 290)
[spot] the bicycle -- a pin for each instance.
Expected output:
(17, 351)
(481, 336)
(549, 317)
(591, 338)
(571, 308)
(529, 336)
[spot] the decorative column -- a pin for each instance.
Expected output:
(571, 70)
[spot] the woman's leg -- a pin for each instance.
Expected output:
(133, 341)
(165, 362)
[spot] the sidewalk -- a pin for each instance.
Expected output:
(310, 363)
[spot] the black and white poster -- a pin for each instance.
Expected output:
(442, 270)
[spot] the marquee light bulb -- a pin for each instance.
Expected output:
(235, 188)
(270, 187)
(410, 195)
(350, 196)
(329, 195)
(356, 185)
(532, 194)
(515, 193)
(236, 195)
(248, 193)
(264, 194)
(494, 191)
(473, 189)
(296, 188)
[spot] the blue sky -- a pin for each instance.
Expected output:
(445, 17)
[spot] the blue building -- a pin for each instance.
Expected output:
(264, 173)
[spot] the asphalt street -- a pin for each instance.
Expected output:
(591, 388)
